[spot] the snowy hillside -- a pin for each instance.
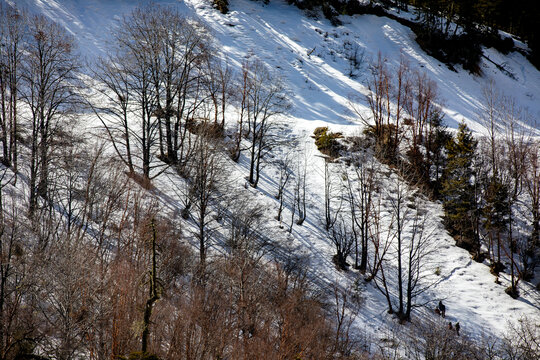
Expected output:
(283, 37)
(311, 56)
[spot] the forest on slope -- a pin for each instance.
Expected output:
(96, 265)
(447, 27)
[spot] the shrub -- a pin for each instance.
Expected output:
(386, 146)
(522, 340)
(512, 291)
(206, 128)
(221, 5)
(496, 268)
(326, 141)
(331, 14)
(503, 45)
(434, 341)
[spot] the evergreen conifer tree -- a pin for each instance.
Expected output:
(458, 190)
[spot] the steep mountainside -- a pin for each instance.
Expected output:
(326, 70)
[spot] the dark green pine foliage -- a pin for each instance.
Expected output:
(497, 208)
(435, 140)
(486, 16)
(458, 189)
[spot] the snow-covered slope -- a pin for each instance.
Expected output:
(309, 54)
(283, 36)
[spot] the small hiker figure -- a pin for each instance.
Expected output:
(457, 328)
(450, 327)
(442, 309)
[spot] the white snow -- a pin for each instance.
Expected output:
(308, 54)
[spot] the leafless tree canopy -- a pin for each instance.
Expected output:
(140, 238)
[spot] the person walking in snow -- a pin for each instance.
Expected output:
(457, 328)
(442, 309)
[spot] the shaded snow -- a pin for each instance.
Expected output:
(308, 53)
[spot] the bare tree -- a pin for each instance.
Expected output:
(300, 185)
(492, 118)
(344, 300)
(116, 91)
(330, 211)
(522, 340)
(530, 254)
(382, 242)
(183, 47)
(203, 187)
(426, 136)
(64, 295)
(379, 97)
(359, 193)
(343, 241)
(517, 140)
(412, 244)
(49, 87)
(137, 63)
(17, 325)
(154, 75)
(408, 244)
(242, 100)
(12, 31)
(266, 99)
(284, 165)
(387, 99)
(218, 82)
(433, 340)
(154, 288)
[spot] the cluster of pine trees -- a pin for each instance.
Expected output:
(91, 266)
(449, 30)
(517, 18)
(488, 185)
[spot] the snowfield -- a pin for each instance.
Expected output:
(310, 56)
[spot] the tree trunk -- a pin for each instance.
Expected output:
(153, 292)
